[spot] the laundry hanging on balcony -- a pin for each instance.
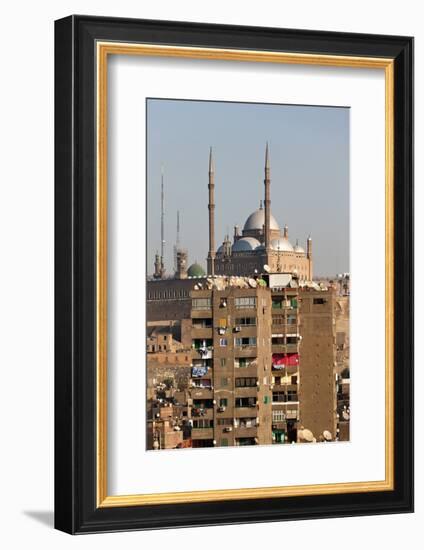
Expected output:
(199, 371)
(280, 360)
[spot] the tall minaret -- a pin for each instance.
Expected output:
(309, 248)
(309, 256)
(162, 230)
(211, 207)
(177, 242)
(267, 183)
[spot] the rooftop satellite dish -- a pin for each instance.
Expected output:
(267, 268)
(307, 435)
(327, 435)
(252, 283)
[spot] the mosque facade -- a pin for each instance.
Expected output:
(260, 246)
(261, 242)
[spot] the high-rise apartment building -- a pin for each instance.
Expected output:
(231, 373)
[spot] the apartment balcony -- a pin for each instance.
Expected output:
(247, 372)
(202, 433)
(281, 370)
(245, 351)
(250, 391)
(202, 332)
(198, 412)
(202, 353)
(286, 387)
(285, 348)
(285, 405)
(277, 328)
(288, 400)
(201, 393)
(245, 331)
(243, 412)
(243, 431)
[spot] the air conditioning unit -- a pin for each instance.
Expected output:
(237, 329)
(221, 409)
(228, 429)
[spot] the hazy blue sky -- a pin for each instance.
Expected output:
(309, 153)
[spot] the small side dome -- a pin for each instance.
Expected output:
(282, 244)
(196, 270)
(220, 249)
(246, 244)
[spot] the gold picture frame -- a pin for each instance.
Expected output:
(391, 54)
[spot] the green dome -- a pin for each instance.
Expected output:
(196, 270)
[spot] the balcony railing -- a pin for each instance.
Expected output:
(202, 433)
(202, 353)
(285, 399)
(198, 412)
(285, 348)
(199, 393)
(244, 431)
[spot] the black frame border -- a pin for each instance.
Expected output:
(75, 274)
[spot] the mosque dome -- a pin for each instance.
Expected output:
(282, 244)
(246, 244)
(196, 270)
(256, 221)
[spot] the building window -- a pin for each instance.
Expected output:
(278, 416)
(245, 401)
(223, 402)
(245, 342)
(202, 343)
(245, 422)
(246, 321)
(203, 423)
(278, 397)
(225, 421)
(201, 303)
(223, 362)
(266, 399)
(242, 362)
(224, 381)
(202, 323)
(247, 302)
(246, 382)
(278, 320)
(223, 342)
(319, 301)
(224, 442)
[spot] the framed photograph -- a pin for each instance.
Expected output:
(234, 274)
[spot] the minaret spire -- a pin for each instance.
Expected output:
(162, 230)
(211, 207)
(267, 183)
(309, 256)
(177, 242)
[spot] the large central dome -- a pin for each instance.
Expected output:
(256, 221)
